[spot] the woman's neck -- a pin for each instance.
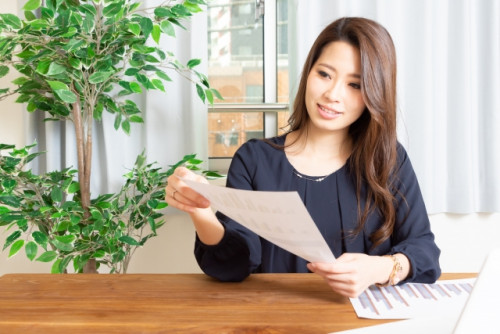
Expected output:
(317, 154)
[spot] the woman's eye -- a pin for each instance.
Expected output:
(355, 85)
(323, 74)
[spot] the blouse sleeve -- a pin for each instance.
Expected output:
(412, 234)
(238, 254)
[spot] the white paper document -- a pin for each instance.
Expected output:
(279, 217)
(413, 300)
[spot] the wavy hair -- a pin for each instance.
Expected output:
(373, 159)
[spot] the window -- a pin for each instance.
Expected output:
(248, 65)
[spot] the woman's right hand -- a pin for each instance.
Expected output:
(179, 195)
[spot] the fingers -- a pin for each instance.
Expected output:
(179, 195)
(345, 276)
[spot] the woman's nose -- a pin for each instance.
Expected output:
(334, 91)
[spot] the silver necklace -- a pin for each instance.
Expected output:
(318, 179)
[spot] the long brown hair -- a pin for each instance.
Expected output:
(373, 158)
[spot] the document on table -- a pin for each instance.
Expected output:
(279, 217)
(412, 300)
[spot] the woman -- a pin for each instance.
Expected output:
(342, 156)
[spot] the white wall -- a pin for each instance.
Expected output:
(465, 240)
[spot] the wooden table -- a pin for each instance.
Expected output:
(174, 303)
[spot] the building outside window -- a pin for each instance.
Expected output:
(249, 67)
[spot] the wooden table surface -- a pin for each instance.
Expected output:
(174, 303)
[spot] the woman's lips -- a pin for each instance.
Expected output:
(328, 113)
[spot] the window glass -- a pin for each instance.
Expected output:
(235, 51)
(236, 70)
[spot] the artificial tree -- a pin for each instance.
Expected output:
(78, 59)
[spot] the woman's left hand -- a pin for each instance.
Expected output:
(353, 273)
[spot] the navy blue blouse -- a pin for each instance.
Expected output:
(332, 203)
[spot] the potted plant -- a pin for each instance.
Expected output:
(76, 60)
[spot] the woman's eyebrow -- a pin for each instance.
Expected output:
(330, 67)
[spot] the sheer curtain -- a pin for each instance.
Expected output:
(174, 122)
(448, 89)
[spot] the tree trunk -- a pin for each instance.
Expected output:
(90, 267)
(84, 151)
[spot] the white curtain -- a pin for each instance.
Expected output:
(175, 122)
(448, 85)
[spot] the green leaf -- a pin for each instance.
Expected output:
(118, 121)
(217, 94)
(57, 85)
(103, 205)
(180, 10)
(88, 9)
(73, 187)
(29, 16)
(64, 263)
(193, 62)
(152, 224)
(131, 71)
(210, 96)
(70, 32)
(146, 26)
(26, 54)
(118, 257)
(3, 71)
(62, 226)
(73, 44)
(39, 24)
(192, 7)
(210, 174)
(16, 247)
(43, 67)
(75, 63)
(136, 119)
(9, 184)
(111, 10)
(65, 239)
(161, 205)
(153, 203)
(161, 12)
(156, 33)
(158, 84)
(195, 161)
(62, 246)
(31, 249)
(126, 126)
(12, 20)
(32, 5)
(96, 214)
(135, 28)
(135, 87)
(11, 238)
(163, 75)
(129, 240)
(56, 267)
(56, 194)
(200, 92)
(99, 77)
(40, 238)
(55, 69)
(66, 95)
(6, 146)
(99, 253)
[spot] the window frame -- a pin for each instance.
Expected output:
(269, 107)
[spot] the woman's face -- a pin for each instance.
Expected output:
(333, 92)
